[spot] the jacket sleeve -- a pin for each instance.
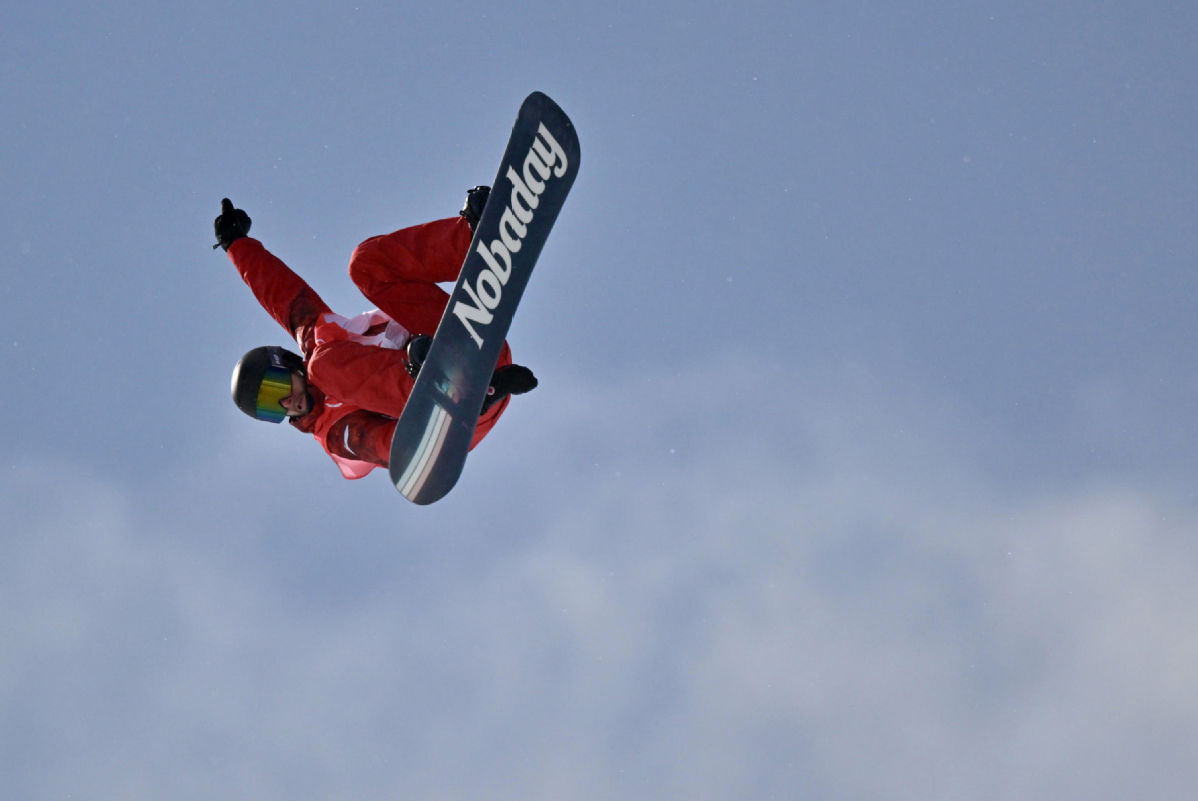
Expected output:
(284, 295)
(360, 437)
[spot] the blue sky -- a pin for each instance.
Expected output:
(863, 460)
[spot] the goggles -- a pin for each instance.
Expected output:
(276, 385)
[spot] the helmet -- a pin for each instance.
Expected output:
(262, 378)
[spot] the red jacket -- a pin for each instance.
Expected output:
(355, 367)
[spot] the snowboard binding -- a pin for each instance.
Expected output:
(416, 352)
(476, 201)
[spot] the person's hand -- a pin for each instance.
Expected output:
(231, 225)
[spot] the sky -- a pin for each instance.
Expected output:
(862, 464)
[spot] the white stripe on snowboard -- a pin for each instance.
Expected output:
(417, 472)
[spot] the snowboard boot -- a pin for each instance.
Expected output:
(511, 379)
(416, 352)
(476, 201)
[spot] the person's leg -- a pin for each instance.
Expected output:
(399, 272)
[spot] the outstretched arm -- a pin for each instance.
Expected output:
(283, 294)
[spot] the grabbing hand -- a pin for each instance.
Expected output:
(231, 225)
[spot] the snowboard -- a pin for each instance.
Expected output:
(433, 434)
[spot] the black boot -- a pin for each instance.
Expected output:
(511, 379)
(476, 201)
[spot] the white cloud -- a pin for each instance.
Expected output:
(818, 594)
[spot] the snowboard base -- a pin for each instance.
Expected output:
(434, 431)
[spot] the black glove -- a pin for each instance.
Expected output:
(231, 225)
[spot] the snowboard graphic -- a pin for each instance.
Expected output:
(432, 437)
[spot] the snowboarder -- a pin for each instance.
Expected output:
(355, 375)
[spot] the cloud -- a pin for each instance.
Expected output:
(696, 591)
